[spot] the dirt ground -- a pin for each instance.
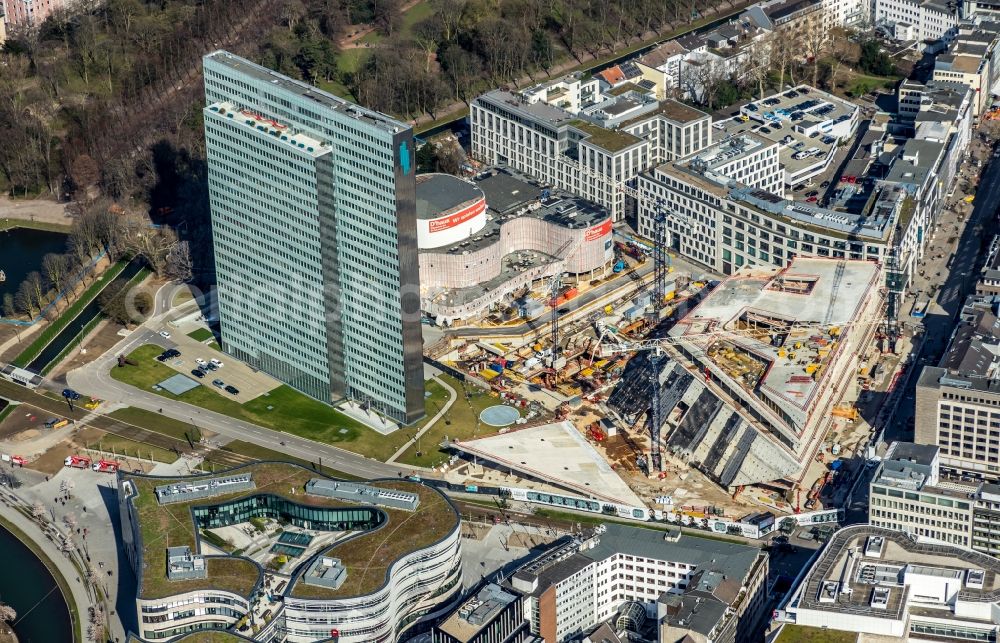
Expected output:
(45, 210)
(25, 422)
(53, 459)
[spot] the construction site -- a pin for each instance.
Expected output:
(708, 399)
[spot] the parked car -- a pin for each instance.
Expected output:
(197, 372)
(210, 367)
(172, 352)
(218, 363)
(232, 389)
(812, 192)
(201, 362)
(824, 184)
(218, 383)
(811, 199)
(162, 357)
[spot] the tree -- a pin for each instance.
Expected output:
(38, 511)
(427, 33)
(179, 263)
(462, 69)
(36, 289)
(54, 267)
(122, 304)
(874, 61)
(70, 521)
(85, 174)
(7, 613)
(9, 310)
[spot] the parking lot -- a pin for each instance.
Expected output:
(250, 383)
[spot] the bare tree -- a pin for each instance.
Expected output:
(68, 544)
(85, 174)
(137, 238)
(815, 40)
(7, 613)
(9, 309)
(36, 289)
(179, 263)
(70, 521)
(38, 511)
(54, 267)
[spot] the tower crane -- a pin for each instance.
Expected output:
(658, 353)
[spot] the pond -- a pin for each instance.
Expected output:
(28, 587)
(21, 251)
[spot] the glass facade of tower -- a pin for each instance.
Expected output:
(314, 227)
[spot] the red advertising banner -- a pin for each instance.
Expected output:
(453, 220)
(598, 231)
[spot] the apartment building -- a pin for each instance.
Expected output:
(315, 236)
(581, 584)
(18, 14)
(590, 152)
(920, 20)
(958, 401)
(973, 59)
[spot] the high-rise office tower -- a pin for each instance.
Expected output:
(314, 226)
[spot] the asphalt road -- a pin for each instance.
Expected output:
(955, 283)
(94, 380)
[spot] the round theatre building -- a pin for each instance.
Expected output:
(449, 210)
(492, 237)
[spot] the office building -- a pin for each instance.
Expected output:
(315, 235)
(973, 59)
(585, 137)
(884, 583)
(581, 584)
(909, 494)
(918, 20)
(958, 401)
(369, 561)
(493, 615)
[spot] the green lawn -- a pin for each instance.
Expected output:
(862, 84)
(124, 446)
(801, 634)
(459, 422)
(215, 345)
(157, 423)
(290, 411)
(7, 224)
(201, 335)
(258, 452)
(53, 329)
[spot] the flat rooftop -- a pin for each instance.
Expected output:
(673, 110)
(510, 195)
(477, 612)
(780, 119)
(440, 194)
(366, 558)
(844, 557)
(750, 316)
(558, 454)
(314, 94)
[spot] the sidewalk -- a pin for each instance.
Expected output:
(80, 600)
